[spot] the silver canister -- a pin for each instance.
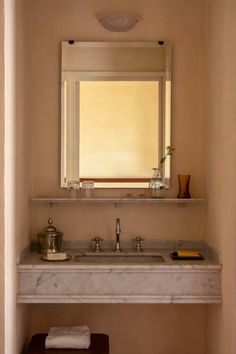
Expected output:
(50, 240)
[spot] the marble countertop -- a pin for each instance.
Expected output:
(31, 260)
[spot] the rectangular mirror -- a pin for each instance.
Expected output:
(116, 120)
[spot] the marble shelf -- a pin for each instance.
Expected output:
(116, 200)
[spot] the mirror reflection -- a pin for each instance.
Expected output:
(115, 124)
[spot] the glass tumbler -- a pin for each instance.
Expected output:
(184, 181)
(88, 189)
(73, 188)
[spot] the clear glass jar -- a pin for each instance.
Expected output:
(157, 184)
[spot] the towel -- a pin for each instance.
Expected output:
(77, 337)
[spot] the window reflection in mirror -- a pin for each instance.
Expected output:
(115, 125)
(119, 123)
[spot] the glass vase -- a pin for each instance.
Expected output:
(157, 184)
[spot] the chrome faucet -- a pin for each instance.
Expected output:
(118, 232)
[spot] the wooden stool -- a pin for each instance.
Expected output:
(99, 345)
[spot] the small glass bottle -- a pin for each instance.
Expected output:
(157, 184)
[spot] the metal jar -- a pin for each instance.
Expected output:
(50, 240)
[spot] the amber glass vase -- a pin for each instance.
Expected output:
(184, 181)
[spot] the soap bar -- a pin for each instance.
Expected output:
(184, 253)
(59, 256)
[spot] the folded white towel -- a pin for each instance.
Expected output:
(77, 337)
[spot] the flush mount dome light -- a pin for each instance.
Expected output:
(118, 22)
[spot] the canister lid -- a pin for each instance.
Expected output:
(50, 229)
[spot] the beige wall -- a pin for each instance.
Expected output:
(133, 329)
(22, 172)
(16, 171)
(22, 139)
(168, 328)
(221, 167)
(1, 176)
(49, 22)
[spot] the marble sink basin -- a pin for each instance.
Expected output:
(123, 257)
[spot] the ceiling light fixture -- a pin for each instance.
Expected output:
(118, 22)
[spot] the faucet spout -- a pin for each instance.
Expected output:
(118, 232)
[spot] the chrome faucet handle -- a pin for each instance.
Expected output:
(138, 240)
(118, 232)
(97, 241)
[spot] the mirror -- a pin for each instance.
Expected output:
(116, 116)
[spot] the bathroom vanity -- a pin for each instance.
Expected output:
(150, 276)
